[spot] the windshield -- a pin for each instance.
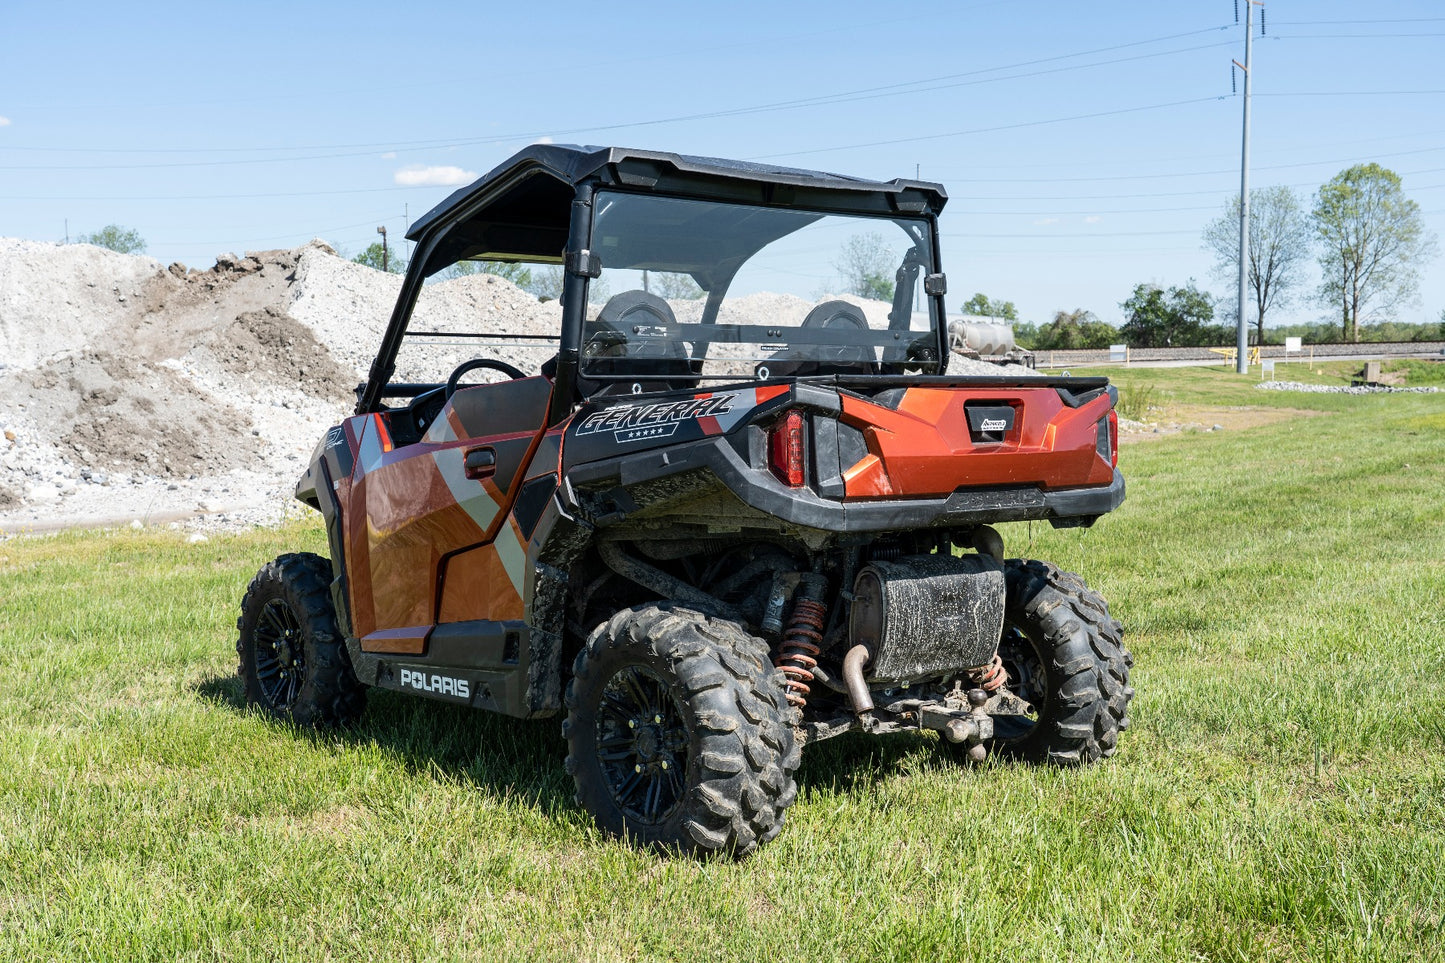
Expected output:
(693, 288)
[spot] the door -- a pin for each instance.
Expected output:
(431, 511)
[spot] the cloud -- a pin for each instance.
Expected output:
(4, 121)
(544, 140)
(1093, 219)
(389, 155)
(1046, 220)
(415, 175)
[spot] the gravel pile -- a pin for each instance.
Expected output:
(133, 392)
(1341, 389)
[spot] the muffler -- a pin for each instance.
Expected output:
(924, 616)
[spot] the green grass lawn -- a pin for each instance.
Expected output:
(1279, 796)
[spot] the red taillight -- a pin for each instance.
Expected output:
(785, 449)
(1108, 439)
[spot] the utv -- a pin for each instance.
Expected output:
(708, 519)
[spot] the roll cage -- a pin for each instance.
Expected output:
(539, 206)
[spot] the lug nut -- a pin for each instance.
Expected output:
(657, 719)
(637, 768)
(632, 723)
(664, 763)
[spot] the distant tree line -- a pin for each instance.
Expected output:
(1366, 236)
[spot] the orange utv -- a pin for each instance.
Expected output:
(725, 502)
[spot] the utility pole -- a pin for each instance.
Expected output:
(385, 265)
(1242, 340)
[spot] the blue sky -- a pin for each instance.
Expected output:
(1083, 145)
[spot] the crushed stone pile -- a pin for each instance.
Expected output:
(1342, 389)
(136, 392)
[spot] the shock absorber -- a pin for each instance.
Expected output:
(991, 676)
(803, 638)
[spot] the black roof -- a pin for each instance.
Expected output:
(522, 207)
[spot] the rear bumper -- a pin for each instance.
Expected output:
(760, 490)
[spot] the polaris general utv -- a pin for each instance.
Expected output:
(717, 515)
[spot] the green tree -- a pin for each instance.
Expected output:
(1279, 244)
(1075, 329)
(1373, 242)
(1180, 317)
(126, 240)
(984, 306)
(372, 258)
(867, 266)
(518, 274)
(674, 287)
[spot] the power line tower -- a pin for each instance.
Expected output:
(1242, 340)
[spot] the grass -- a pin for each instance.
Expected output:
(1280, 796)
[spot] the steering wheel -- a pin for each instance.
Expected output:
(475, 363)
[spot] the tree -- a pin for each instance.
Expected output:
(371, 257)
(982, 305)
(1373, 242)
(1279, 242)
(674, 287)
(518, 274)
(867, 266)
(1075, 329)
(1179, 318)
(126, 240)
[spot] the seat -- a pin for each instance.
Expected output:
(619, 342)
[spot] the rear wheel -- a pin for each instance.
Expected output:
(1065, 655)
(293, 661)
(678, 733)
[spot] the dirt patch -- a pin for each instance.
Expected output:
(110, 412)
(277, 347)
(1191, 418)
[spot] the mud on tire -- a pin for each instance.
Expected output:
(1066, 655)
(293, 660)
(678, 733)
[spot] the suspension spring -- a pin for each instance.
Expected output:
(991, 677)
(802, 641)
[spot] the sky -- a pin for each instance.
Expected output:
(1083, 145)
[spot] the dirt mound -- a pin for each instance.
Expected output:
(132, 390)
(273, 346)
(109, 412)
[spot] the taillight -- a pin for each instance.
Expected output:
(1107, 438)
(785, 449)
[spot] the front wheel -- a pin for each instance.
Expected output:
(293, 661)
(678, 733)
(1065, 655)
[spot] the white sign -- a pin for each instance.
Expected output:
(1266, 369)
(1291, 344)
(1118, 352)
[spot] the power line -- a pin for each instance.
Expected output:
(988, 130)
(842, 97)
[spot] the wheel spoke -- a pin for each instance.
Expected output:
(628, 788)
(617, 740)
(616, 755)
(617, 707)
(278, 628)
(634, 688)
(653, 800)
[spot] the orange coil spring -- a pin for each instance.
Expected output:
(990, 678)
(802, 641)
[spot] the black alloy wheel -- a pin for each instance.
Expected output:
(642, 744)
